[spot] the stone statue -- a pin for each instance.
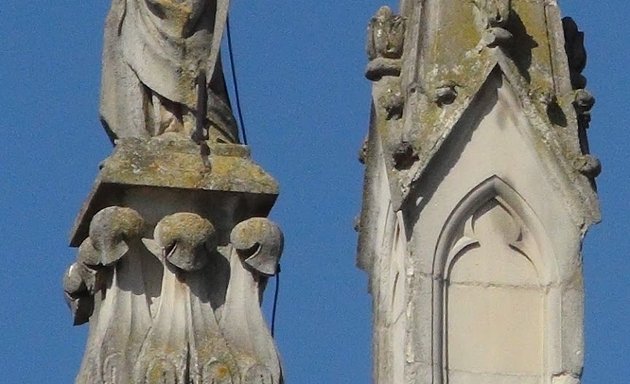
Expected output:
(162, 70)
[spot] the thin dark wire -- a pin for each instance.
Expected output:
(275, 303)
(233, 70)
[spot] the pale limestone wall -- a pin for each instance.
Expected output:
(496, 281)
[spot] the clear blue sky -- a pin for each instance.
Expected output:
(306, 107)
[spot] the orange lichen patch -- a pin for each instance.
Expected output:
(223, 371)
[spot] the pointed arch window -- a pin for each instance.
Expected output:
(494, 300)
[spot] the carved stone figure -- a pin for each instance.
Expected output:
(162, 70)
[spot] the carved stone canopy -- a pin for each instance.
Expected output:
(479, 189)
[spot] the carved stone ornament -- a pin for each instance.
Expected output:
(259, 242)
(494, 16)
(404, 156)
(584, 100)
(385, 42)
(445, 93)
(392, 101)
(589, 166)
(175, 308)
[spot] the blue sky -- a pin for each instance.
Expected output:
(306, 106)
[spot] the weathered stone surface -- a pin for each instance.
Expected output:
(182, 303)
(167, 294)
(477, 199)
(175, 167)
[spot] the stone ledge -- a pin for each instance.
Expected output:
(170, 163)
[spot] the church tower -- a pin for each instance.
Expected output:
(479, 190)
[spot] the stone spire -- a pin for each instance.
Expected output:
(174, 247)
(479, 189)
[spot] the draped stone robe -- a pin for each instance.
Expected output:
(154, 53)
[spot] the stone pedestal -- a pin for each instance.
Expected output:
(174, 254)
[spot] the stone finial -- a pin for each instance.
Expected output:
(461, 247)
